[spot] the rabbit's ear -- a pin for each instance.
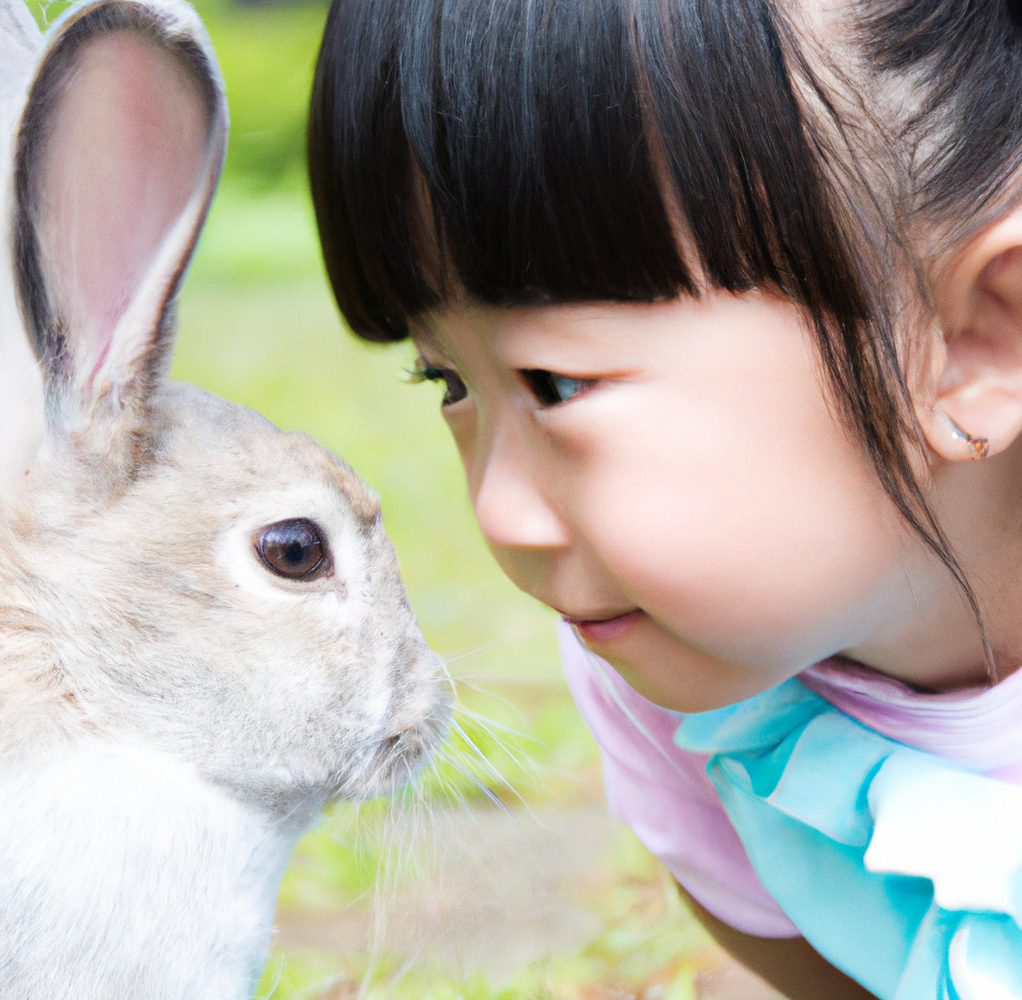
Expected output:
(21, 394)
(118, 152)
(20, 42)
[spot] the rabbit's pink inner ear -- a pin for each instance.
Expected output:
(126, 153)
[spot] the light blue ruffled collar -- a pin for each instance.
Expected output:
(901, 868)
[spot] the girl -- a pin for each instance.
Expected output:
(725, 297)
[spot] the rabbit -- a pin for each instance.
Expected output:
(204, 636)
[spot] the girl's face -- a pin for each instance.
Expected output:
(674, 479)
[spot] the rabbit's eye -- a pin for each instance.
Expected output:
(294, 549)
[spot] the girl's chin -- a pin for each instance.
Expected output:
(600, 633)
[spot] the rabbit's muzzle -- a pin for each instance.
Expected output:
(416, 726)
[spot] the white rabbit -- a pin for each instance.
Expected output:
(203, 631)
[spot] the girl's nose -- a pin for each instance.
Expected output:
(511, 505)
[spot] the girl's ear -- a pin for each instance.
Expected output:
(118, 152)
(976, 404)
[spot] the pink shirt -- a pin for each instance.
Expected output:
(664, 794)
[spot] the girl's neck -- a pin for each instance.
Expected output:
(935, 643)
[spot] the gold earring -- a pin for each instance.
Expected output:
(978, 447)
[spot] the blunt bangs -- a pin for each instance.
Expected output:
(540, 151)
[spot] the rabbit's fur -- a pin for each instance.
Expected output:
(173, 713)
(21, 411)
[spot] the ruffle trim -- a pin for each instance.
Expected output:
(903, 869)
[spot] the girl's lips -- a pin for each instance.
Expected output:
(607, 629)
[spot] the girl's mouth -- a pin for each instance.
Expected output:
(605, 629)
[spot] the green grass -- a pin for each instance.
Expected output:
(650, 948)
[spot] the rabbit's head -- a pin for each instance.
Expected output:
(174, 570)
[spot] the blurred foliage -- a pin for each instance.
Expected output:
(267, 53)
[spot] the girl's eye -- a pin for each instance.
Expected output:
(454, 389)
(549, 388)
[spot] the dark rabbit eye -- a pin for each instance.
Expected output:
(294, 549)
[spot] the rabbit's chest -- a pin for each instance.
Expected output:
(120, 866)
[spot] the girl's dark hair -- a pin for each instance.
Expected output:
(542, 151)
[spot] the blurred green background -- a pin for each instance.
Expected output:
(258, 326)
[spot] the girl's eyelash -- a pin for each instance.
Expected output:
(550, 388)
(454, 388)
(423, 372)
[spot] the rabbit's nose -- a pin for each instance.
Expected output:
(423, 688)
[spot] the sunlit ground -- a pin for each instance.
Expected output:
(500, 874)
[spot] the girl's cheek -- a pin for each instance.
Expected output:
(748, 525)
